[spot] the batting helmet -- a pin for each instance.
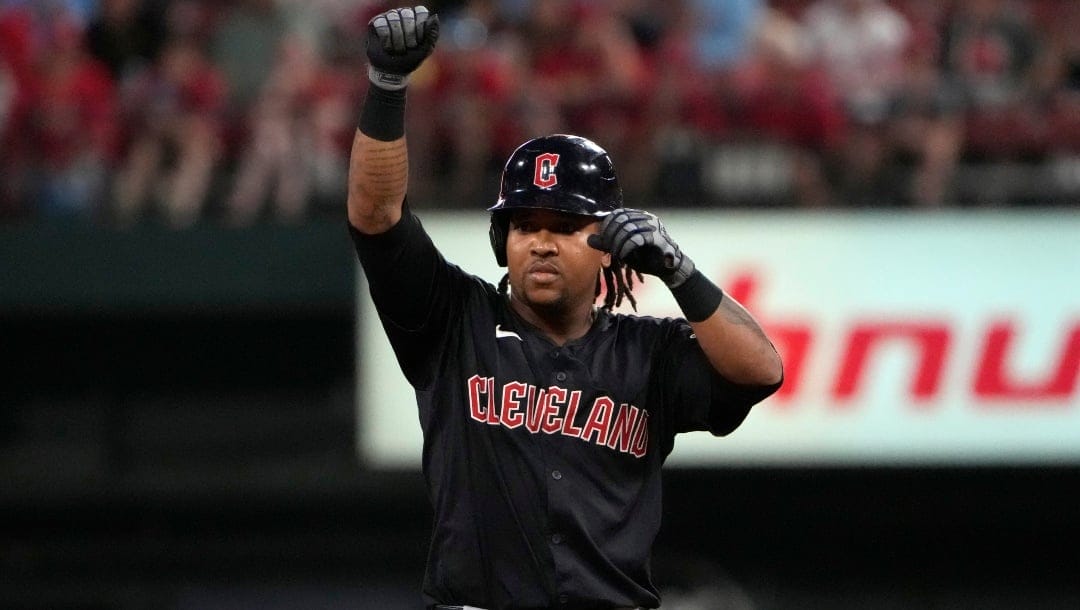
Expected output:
(559, 172)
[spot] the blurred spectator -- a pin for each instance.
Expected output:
(175, 112)
(126, 35)
(80, 11)
(927, 125)
(861, 45)
(294, 156)
(584, 61)
(695, 60)
(291, 140)
(17, 75)
(478, 110)
(193, 19)
(989, 53)
(314, 21)
(9, 90)
(781, 99)
(73, 135)
(725, 31)
(246, 42)
(1058, 77)
(990, 50)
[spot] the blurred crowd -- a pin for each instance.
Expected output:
(242, 111)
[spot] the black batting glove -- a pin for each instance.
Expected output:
(639, 240)
(398, 41)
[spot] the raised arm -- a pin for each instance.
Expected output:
(398, 42)
(732, 340)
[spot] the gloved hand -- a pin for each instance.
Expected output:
(398, 41)
(639, 240)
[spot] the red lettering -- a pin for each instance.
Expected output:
(554, 410)
(511, 392)
(550, 420)
(994, 377)
(599, 420)
(742, 287)
(478, 388)
(622, 428)
(511, 415)
(641, 436)
(536, 411)
(569, 429)
(993, 382)
(932, 340)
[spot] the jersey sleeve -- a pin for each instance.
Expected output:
(701, 398)
(411, 286)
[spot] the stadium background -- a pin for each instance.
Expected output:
(178, 410)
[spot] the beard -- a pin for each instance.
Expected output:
(545, 304)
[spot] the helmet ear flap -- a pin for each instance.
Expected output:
(497, 234)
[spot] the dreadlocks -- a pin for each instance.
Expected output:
(618, 281)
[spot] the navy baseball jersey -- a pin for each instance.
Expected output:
(542, 461)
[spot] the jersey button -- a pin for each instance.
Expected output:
(556, 538)
(560, 376)
(564, 598)
(555, 474)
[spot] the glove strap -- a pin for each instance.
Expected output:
(387, 80)
(698, 297)
(680, 274)
(383, 115)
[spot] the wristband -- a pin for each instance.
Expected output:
(698, 297)
(383, 115)
(387, 80)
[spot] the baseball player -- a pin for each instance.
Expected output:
(546, 417)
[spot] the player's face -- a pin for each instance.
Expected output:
(550, 262)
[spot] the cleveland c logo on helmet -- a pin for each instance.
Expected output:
(544, 172)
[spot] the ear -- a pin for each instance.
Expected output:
(605, 262)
